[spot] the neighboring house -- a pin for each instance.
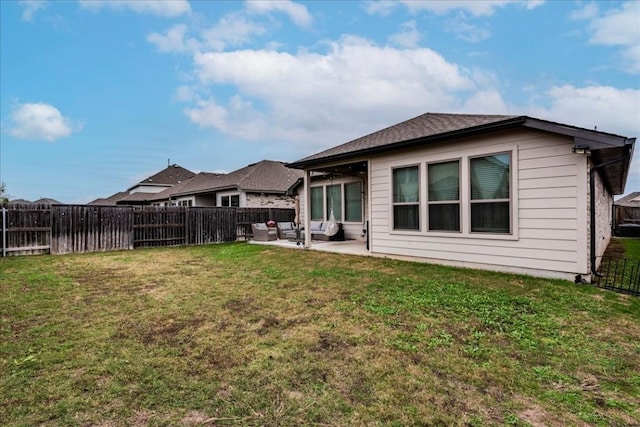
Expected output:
(146, 190)
(262, 184)
(41, 201)
(627, 215)
(506, 193)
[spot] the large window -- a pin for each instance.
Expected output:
(406, 199)
(490, 193)
(353, 202)
(334, 201)
(316, 203)
(444, 196)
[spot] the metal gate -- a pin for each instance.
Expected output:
(619, 274)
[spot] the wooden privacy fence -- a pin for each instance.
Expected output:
(627, 221)
(26, 229)
(60, 229)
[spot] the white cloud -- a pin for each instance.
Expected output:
(321, 98)
(442, 7)
(233, 29)
(611, 109)
(297, 12)
(588, 11)
(408, 36)
(208, 114)
(30, 7)
(615, 27)
(165, 8)
(532, 4)
(172, 41)
(485, 101)
(39, 121)
(380, 7)
(474, 7)
(460, 26)
(185, 94)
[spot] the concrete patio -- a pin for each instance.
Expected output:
(349, 247)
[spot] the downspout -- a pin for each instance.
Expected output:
(592, 208)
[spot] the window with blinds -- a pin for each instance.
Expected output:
(444, 196)
(406, 198)
(490, 193)
(353, 201)
(317, 194)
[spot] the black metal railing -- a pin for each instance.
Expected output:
(619, 274)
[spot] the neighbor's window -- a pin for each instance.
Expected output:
(316, 204)
(490, 193)
(444, 196)
(334, 201)
(353, 202)
(233, 201)
(406, 200)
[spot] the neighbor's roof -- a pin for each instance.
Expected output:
(171, 175)
(436, 127)
(267, 176)
(47, 201)
(631, 200)
(111, 200)
(200, 182)
(41, 201)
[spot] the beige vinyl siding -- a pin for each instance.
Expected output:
(548, 207)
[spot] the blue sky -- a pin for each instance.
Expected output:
(97, 95)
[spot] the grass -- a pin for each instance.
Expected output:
(239, 334)
(631, 248)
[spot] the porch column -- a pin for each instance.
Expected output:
(307, 208)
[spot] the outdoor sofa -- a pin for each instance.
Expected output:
(262, 233)
(317, 232)
(284, 228)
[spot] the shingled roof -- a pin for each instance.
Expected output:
(267, 176)
(111, 200)
(425, 125)
(171, 175)
(630, 200)
(611, 152)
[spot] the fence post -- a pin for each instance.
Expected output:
(4, 232)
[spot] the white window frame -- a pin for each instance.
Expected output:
(419, 203)
(508, 200)
(427, 157)
(445, 202)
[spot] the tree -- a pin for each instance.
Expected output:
(4, 196)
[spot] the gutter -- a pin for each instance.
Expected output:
(592, 203)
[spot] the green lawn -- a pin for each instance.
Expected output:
(240, 334)
(631, 248)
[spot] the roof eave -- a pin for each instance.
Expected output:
(458, 133)
(616, 173)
